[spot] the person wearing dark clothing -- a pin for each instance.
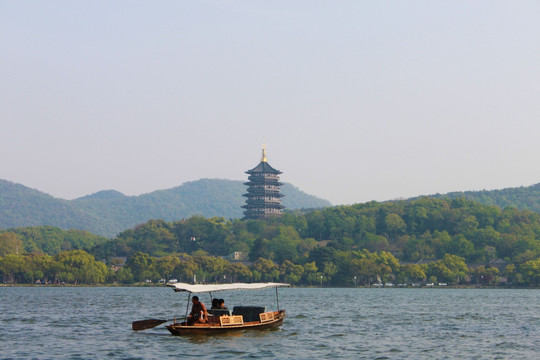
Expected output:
(221, 304)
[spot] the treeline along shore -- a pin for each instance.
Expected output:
(456, 242)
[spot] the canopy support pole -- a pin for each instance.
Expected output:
(277, 298)
(187, 306)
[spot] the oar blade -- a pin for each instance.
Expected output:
(146, 324)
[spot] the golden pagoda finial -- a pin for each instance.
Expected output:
(263, 153)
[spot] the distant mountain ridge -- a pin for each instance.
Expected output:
(522, 198)
(109, 212)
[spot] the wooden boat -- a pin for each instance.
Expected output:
(222, 321)
(225, 323)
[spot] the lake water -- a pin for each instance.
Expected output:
(95, 323)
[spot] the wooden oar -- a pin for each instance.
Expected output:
(146, 324)
(149, 323)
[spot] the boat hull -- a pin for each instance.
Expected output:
(179, 329)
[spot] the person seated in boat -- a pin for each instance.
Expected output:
(198, 314)
(221, 304)
(215, 303)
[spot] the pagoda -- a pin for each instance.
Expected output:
(263, 196)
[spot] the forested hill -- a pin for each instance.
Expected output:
(109, 212)
(522, 198)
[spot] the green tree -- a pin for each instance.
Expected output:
(138, 263)
(211, 268)
(10, 244)
(285, 245)
(185, 270)
(81, 267)
(265, 270)
(412, 273)
(290, 272)
(452, 269)
(329, 270)
(416, 249)
(12, 267)
(395, 224)
(310, 273)
(260, 249)
(531, 272)
(483, 276)
(460, 246)
(366, 270)
(237, 272)
(165, 266)
(42, 266)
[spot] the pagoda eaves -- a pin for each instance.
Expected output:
(263, 194)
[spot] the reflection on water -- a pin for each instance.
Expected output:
(203, 338)
(90, 323)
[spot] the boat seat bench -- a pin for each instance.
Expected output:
(250, 313)
(219, 312)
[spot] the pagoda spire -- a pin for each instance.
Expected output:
(264, 153)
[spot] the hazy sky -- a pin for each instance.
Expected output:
(356, 100)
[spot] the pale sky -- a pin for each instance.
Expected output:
(356, 100)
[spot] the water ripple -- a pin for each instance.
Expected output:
(88, 323)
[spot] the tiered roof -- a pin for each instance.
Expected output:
(263, 196)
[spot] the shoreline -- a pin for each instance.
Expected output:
(469, 287)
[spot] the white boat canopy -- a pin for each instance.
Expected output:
(199, 288)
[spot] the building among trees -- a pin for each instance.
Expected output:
(263, 195)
